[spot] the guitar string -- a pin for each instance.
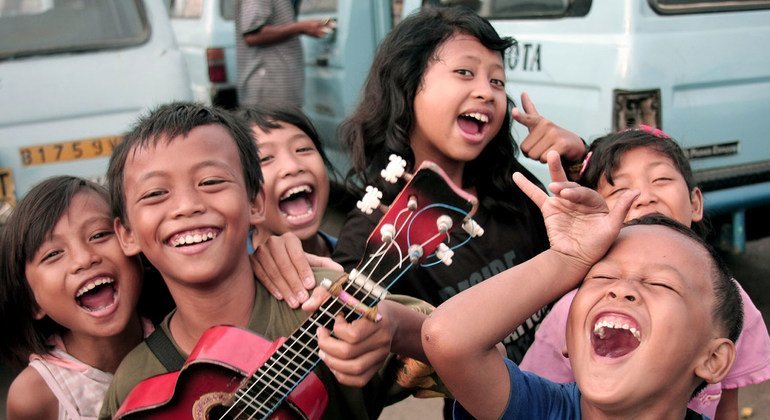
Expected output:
(377, 256)
(380, 254)
(312, 352)
(265, 368)
(379, 282)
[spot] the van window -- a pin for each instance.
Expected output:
(31, 27)
(227, 9)
(705, 6)
(186, 9)
(318, 6)
(524, 9)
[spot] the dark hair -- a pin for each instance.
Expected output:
(607, 151)
(167, 122)
(384, 118)
(727, 308)
(29, 225)
(271, 117)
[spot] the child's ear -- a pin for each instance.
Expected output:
(696, 200)
(39, 313)
(126, 238)
(257, 209)
(719, 361)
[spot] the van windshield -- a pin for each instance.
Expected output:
(32, 27)
(516, 9)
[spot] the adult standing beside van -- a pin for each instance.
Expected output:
(269, 51)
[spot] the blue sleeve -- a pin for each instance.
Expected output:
(534, 397)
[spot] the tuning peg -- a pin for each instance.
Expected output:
(415, 253)
(444, 223)
(394, 170)
(388, 231)
(473, 228)
(370, 201)
(444, 253)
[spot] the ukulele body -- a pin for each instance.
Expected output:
(205, 387)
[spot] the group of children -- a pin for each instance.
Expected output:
(656, 316)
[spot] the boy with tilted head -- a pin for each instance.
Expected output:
(655, 318)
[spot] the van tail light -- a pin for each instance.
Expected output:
(633, 108)
(216, 63)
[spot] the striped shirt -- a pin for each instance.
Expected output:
(268, 73)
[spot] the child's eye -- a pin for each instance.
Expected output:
(464, 72)
(659, 284)
(50, 255)
(617, 191)
(498, 82)
(306, 149)
(152, 194)
(211, 181)
(101, 235)
(661, 179)
(265, 159)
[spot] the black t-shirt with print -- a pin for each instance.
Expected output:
(507, 241)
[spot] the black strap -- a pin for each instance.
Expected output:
(162, 347)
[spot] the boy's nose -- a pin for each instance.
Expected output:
(186, 203)
(627, 295)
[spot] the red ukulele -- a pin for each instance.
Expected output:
(234, 373)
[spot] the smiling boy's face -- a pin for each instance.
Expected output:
(642, 320)
(187, 207)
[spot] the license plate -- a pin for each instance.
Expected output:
(7, 193)
(68, 151)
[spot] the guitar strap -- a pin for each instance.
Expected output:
(162, 347)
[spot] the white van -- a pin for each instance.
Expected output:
(74, 75)
(205, 32)
(698, 69)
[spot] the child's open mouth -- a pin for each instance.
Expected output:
(472, 123)
(615, 336)
(192, 237)
(96, 294)
(296, 204)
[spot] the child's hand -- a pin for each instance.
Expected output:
(577, 219)
(284, 268)
(357, 350)
(544, 135)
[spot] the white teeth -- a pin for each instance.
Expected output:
(296, 190)
(601, 326)
(477, 116)
(193, 239)
(92, 285)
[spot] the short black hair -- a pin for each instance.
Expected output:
(177, 119)
(270, 117)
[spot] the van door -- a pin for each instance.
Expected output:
(74, 75)
(336, 66)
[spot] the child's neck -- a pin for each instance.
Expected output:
(104, 353)
(316, 245)
(229, 301)
(664, 407)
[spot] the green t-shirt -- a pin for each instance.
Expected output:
(272, 319)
